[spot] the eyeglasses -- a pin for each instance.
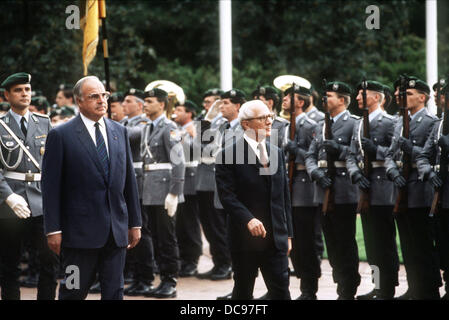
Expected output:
(263, 118)
(96, 96)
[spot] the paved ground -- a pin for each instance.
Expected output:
(195, 289)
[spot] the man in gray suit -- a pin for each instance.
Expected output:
(339, 225)
(415, 225)
(163, 183)
(304, 255)
(23, 136)
(379, 231)
(188, 228)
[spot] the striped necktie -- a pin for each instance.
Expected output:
(101, 149)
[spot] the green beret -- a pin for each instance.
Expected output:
(266, 91)
(16, 78)
(413, 83)
(191, 105)
(339, 87)
(299, 90)
(4, 106)
(40, 102)
(212, 92)
(387, 90)
(233, 93)
(441, 83)
(156, 92)
(116, 97)
(371, 85)
(135, 92)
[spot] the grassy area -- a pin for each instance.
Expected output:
(361, 243)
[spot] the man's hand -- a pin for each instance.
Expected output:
(443, 142)
(435, 180)
(406, 145)
(320, 177)
(256, 228)
(361, 180)
(133, 237)
(369, 147)
(54, 242)
(332, 147)
(291, 146)
(398, 180)
(171, 203)
(19, 205)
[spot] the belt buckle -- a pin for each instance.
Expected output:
(29, 177)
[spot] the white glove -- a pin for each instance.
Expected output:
(214, 110)
(18, 205)
(171, 203)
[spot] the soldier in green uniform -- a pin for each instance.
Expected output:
(22, 136)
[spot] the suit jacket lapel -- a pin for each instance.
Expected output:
(88, 144)
(112, 145)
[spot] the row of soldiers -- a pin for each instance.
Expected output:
(178, 192)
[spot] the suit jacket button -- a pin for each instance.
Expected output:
(303, 180)
(343, 173)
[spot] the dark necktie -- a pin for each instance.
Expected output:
(23, 127)
(101, 149)
(227, 126)
(151, 128)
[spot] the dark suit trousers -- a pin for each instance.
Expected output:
(274, 267)
(416, 234)
(214, 228)
(304, 254)
(188, 230)
(164, 240)
(142, 255)
(339, 235)
(13, 233)
(379, 235)
(442, 242)
(108, 261)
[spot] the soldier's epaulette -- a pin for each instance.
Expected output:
(388, 116)
(41, 115)
(431, 116)
(355, 117)
(280, 119)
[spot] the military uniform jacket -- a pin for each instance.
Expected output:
(13, 156)
(429, 156)
(382, 191)
(207, 141)
(344, 191)
(315, 114)
(279, 126)
(226, 138)
(191, 167)
(420, 193)
(303, 188)
(135, 127)
(162, 146)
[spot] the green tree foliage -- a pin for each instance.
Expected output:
(179, 41)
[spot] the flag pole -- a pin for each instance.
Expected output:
(104, 34)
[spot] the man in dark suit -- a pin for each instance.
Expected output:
(254, 194)
(90, 198)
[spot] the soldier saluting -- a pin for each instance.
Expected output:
(377, 222)
(22, 136)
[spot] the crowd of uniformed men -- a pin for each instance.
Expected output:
(179, 198)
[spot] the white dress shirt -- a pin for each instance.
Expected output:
(253, 145)
(90, 125)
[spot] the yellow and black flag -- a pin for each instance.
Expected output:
(93, 11)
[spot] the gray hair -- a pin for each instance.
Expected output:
(77, 92)
(249, 109)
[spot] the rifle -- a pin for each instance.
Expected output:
(401, 204)
(291, 160)
(328, 201)
(364, 200)
(439, 111)
(443, 165)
